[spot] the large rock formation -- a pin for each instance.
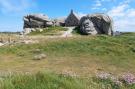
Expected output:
(96, 24)
(37, 20)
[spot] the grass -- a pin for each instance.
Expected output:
(40, 81)
(82, 55)
(48, 80)
(5, 37)
(49, 31)
(76, 31)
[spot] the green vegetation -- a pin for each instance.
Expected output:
(82, 55)
(76, 31)
(9, 33)
(48, 80)
(48, 31)
(40, 81)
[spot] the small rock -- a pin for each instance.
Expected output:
(40, 30)
(29, 41)
(1, 44)
(40, 57)
(27, 30)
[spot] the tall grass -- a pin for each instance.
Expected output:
(56, 81)
(40, 81)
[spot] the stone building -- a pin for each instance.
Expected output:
(72, 20)
(59, 22)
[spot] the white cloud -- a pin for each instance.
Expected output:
(104, 9)
(99, 3)
(124, 17)
(14, 6)
(131, 13)
(80, 14)
(118, 10)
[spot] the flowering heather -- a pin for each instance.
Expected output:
(115, 80)
(106, 76)
(128, 78)
(103, 75)
(69, 73)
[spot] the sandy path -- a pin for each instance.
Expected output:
(68, 33)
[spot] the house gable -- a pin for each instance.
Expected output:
(72, 19)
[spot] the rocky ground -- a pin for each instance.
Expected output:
(31, 39)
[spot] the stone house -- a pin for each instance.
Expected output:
(72, 20)
(59, 22)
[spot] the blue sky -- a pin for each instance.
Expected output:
(12, 11)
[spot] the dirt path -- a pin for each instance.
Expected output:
(68, 33)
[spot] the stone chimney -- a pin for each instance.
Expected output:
(72, 11)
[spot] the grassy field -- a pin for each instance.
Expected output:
(83, 56)
(49, 31)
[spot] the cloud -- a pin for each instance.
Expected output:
(118, 10)
(124, 16)
(12, 12)
(99, 3)
(131, 13)
(80, 14)
(14, 6)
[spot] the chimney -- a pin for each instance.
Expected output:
(72, 11)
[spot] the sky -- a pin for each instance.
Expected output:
(12, 11)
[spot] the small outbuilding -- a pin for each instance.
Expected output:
(72, 20)
(59, 22)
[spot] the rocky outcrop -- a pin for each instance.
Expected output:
(96, 24)
(90, 24)
(37, 20)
